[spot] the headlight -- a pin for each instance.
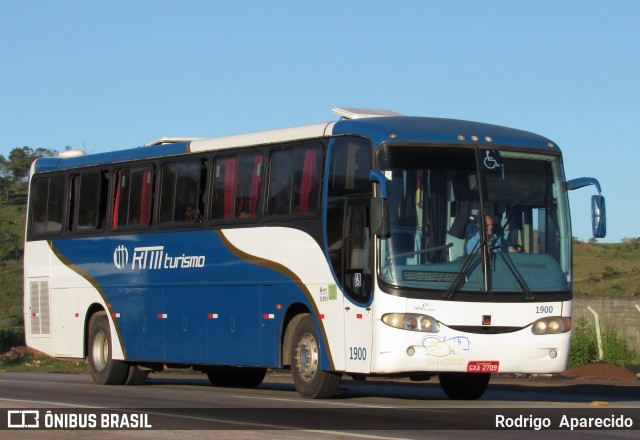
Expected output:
(551, 325)
(411, 321)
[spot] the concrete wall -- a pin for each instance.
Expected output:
(618, 313)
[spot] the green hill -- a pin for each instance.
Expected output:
(12, 215)
(607, 269)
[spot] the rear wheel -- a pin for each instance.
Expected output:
(308, 378)
(136, 376)
(104, 369)
(244, 377)
(464, 386)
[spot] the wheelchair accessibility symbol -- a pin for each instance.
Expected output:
(492, 159)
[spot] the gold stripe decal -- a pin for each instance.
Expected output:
(277, 267)
(86, 276)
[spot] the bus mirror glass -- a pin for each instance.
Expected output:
(598, 216)
(379, 216)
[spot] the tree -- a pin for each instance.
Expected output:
(16, 167)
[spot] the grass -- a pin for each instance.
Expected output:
(584, 346)
(11, 293)
(607, 269)
(12, 361)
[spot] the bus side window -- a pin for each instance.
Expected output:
(181, 191)
(237, 183)
(280, 178)
(294, 181)
(133, 196)
(88, 201)
(248, 184)
(167, 192)
(48, 205)
(307, 179)
(223, 191)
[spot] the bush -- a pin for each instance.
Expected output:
(11, 337)
(584, 346)
(615, 348)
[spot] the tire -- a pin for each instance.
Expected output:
(464, 386)
(309, 380)
(243, 377)
(136, 376)
(104, 370)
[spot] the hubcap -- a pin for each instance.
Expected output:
(307, 356)
(100, 351)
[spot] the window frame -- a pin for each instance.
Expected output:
(231, 211)
(101, 202)
(114, 218)
(298, 151)
(46, 220)
(202, 185)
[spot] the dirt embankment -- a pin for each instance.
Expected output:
(601, 370)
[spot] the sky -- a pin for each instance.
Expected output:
(104, 76)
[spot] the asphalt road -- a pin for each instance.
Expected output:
(188, 406)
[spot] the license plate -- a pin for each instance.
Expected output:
(483, 366)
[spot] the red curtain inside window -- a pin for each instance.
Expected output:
(116, 203)
(255, 186)
(309, 179)
(229, 186)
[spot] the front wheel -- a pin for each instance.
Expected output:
(104, 369)
(464, 386)
(309, 380)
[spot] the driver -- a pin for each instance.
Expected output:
(472, 237)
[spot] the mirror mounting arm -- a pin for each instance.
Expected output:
(379, 209)
(598, 211)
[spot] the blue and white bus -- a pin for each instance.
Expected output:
(330, 249)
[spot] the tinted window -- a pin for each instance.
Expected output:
(237, 182)
(133, 196)
(48, 204)
(350, 166)
(181, 191)
(88, 201)
(280, 178)
(294, 181)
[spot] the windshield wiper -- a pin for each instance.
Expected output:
(462, 273)
(528, 295)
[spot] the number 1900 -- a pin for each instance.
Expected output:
(357, 353)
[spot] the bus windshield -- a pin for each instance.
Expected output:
(474, 221)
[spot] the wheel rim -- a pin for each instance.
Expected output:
(307, 357)
(100, 351)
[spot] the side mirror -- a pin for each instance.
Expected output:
(598, 211)
(581, 182)
(379, 210)
(379, 216)
(598, 216)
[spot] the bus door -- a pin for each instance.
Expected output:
(357, 282)
(348, 238)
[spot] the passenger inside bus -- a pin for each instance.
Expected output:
(191, 213)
